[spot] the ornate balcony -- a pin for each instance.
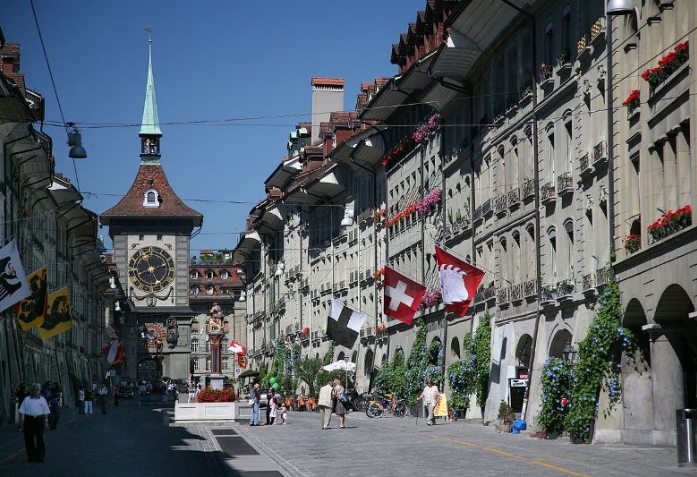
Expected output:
(603, 276)
(501, 204)
(565, 183)
(548, 193)
(600, 154)
(584, 165)
(486, 207)
(516, 294)
(528, 188)
(530, 289)
(514, 197)
(503, 297)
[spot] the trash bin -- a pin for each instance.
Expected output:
(687, 439)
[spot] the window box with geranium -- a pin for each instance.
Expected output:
(379, 275)
(379, 215)
(305, 331)
(633, 101)
(632, 243)
(381, 328)
(421, 135)
(667, 65)
(670, 222)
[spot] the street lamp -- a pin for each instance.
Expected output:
(568, 354)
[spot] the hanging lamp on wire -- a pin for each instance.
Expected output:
(75, 142)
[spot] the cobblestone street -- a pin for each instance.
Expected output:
(135, 440)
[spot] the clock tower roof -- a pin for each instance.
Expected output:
(151, 197)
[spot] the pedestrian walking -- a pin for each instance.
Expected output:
(429, 396)
(325, 404)
(117, 396)
(269, 398)
(81, 400)
(254, 399)
(103, 395)
(21, 392)
(33, 415)
(89, 396)
(54, 397)
(341, 403)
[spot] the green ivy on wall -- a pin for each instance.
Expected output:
(470, 375)
(599, 365)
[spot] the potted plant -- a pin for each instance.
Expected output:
(506, 417)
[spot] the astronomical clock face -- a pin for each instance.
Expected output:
(151, 269)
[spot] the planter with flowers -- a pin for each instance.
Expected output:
(211, 405)
(305, 331)
(632, 102)
(379, 275)
(667, 65)
(379, 216)
(430, 202)
(420, 135)
(431, 298)
(381, 328)
(546, 79)
(670, 222)
(632, 243)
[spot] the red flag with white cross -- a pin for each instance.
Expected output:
(402, 296)
(458, 281)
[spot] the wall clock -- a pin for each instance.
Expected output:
(151, 269)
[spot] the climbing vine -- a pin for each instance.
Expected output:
(470, 375)
(599, 365)
(417, 364)
(556, 387)
(391, 378)
(329, 355)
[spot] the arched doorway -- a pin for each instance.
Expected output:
(147, 370)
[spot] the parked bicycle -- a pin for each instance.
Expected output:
(360, 403)
(387, 404)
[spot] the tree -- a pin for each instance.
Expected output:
(307, 371)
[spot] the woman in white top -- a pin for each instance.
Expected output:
(340, 409)
(429, 396)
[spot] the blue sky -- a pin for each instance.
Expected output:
(232, 79)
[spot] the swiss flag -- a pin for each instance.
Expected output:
(458, 281)
(402, 296)
(237, 347)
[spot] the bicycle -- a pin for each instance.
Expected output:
(388, 404)
(360, 403)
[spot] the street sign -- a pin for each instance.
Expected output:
(238, 371)
(518, 383)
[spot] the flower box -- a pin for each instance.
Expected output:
(209, 411)
(632, 102)
(670, 223)
(632, 243)
(667, 65)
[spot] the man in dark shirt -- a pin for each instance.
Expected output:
(254, 397)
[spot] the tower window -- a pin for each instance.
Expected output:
(150, 198)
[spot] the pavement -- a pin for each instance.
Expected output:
(140, 440)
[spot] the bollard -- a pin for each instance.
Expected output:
(687, 440)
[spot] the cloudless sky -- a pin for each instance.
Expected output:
(232, 80)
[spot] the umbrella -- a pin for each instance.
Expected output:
(237, 347)
(340, 365)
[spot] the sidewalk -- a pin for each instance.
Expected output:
(129, 440)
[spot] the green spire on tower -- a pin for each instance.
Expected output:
(151, 121)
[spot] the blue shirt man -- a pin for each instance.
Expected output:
(254, 397)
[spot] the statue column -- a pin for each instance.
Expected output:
(216, 378)
(668, 388)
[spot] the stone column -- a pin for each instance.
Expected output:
(667, 381)
(216, 379)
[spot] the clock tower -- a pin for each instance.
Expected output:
(151, 230)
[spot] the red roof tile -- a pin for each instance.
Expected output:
(319, 81)
(151, 176)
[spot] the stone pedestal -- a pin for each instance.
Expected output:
(216, 381)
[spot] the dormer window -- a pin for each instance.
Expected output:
(194, 275)
(210, 275)
(224, 275)
(150, 198)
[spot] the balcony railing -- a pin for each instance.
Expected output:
(548, 193)
(565, 183)
(501, 203)
(600, 153)
(486, 207)
(514, 197)
(603, 276)
(588, 281)
(503, 296)
(477, 214)
(528, 188)
(584, 163)
(530, 288)
(516, 293)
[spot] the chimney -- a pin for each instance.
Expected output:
(327, 97)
